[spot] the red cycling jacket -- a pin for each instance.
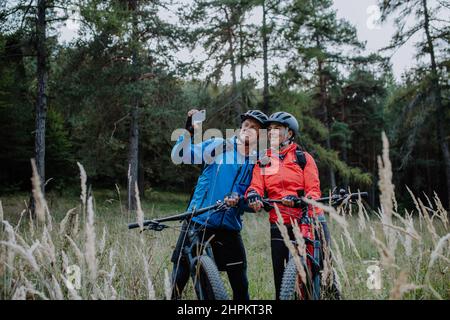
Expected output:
(282, 176)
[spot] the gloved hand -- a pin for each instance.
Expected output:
(189, 125)
(232, 199)
(254, 200)
(291, 201)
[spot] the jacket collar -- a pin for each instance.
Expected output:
(284, 152)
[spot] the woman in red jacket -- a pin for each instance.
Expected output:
(279, 176)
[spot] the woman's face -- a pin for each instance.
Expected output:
(277, 134)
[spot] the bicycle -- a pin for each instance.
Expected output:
(205, 275)
(292, 287)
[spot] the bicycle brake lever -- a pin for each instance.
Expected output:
(267, 206)
(298, 202)
(156, 227)
(160, 227)
(221, 205)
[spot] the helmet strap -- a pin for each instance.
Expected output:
(287, 141)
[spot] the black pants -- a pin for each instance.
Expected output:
(280, 253)
(229, 255)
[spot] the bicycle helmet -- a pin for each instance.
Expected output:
(286, 119)
(255, 115)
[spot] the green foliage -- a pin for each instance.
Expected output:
(340, 97)
(16, 117)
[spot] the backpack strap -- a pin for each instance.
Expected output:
(264, 162)
(301, 158)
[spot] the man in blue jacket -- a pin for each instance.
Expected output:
(226, 174)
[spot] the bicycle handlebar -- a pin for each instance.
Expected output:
(178, 217)
(335, 199)
(343, 197)
(156, 223)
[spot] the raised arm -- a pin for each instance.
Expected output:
(185, 150)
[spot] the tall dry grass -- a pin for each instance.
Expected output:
(403, 270)
(39, 253)
(35, 261)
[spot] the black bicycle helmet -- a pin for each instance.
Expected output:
(255, 115)
(286, 119)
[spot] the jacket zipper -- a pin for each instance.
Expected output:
(284, 188)
(247, 173)
(232, 186)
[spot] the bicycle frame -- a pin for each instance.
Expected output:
(195, 247)
(316, 258)
(178, 217)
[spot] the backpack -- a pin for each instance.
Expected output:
(301, 158)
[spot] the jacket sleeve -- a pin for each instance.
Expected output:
(257, 183)
(312, 181)
(184, 151)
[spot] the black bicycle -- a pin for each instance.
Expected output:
(205, 275)
(292, 286)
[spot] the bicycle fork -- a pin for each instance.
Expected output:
(316, 270)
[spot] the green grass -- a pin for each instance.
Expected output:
(129, 247)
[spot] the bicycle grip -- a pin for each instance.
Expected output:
(133, 225)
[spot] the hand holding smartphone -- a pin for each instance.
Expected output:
(198, 117)
(195, 118)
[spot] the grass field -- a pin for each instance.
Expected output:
(120, 254)
(411, 248)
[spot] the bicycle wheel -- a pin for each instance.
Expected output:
(332, 291)
(207, 281)
(292, 287)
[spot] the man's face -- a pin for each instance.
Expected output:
(277, 134)
(249, 132)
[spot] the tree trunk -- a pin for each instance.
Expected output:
(374, 175)
(231, 56)
(241, 47)
(232, 61)
(331, 170)
(265, 41)
(133, 156)
(324, 107)
(344, 144)
(230, 39)
(141, 175)
(41, 101)
(241, 62)
(436, 92)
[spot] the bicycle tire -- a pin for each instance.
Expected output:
(207, 281)
(333, 290)
(290, 282)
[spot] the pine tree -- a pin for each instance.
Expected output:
(220, 28)
(314, 42)
(433, 45)
(35, 19)
(140, 45)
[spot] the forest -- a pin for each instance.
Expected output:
(113, 95)
(109, 99)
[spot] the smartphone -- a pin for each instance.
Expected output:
(199, 117)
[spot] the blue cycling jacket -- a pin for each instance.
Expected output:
(225, 171)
